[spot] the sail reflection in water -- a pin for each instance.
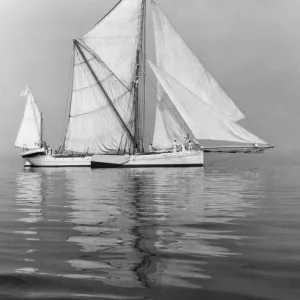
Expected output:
(131, 227)
(29, 201)
(101, 212)
(193, 206)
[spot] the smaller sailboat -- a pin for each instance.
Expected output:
(30, 138)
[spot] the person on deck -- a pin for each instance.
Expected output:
(190, 146)
(182, 147)
(174, 146)
(150, 148)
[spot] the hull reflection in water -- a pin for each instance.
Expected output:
(131, 228)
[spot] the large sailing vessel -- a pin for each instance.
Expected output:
(108, 100)
(190, 102)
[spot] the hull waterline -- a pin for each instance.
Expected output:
(40, 159)
(179, 159)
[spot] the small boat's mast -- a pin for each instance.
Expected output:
(42, 127)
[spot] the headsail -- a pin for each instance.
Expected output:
(94, 126)
(203, 121)
(177, 59)
(29, 134)
(115, 39)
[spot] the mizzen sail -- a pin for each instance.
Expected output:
(29, 134)
(175, 57)
(202, 120)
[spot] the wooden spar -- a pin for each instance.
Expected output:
(41, 135)
(105, 93)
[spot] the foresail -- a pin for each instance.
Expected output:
(167, 127)
(94, 126)
(204, 121)
(30, 130)
(115, 39)
(176, 58)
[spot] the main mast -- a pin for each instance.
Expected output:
(139, 92)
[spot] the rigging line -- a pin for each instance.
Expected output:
(172, 108)
(70, 92)
(205, 69)
(113, 8)
(106, 95)
(97, 57)
(100, 108)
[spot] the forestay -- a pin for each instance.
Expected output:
(115, 39)
(176, 58)
(203, 120)
(93, 124)
(29, 134)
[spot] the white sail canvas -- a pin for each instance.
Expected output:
(29, 134)
(175, 57)
(115, 39)
(204, 121)
(93, 125)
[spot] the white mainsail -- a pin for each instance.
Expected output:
(204, 121)
(176, 58)
(29, 134)
(93, 124)
(115, 39)
(101, 113)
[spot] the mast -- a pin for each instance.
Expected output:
(139, 84)
(110, 102)
(41, 136)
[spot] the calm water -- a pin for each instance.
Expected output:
(230, 231)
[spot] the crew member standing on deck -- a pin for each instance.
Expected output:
(182, 147)
(190, 146)
(174, 146)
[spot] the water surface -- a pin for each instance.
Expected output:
(229, 231)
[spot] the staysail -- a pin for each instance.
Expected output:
(202, 120)
(102, 106)
(29, 134)
(175, 57)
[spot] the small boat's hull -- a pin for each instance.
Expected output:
(179, 159)
(54, 161)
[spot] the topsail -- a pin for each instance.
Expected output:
(115, 39)
(176, 58)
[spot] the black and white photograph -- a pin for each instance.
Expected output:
(150, 149)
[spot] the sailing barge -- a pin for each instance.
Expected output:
(108, 102)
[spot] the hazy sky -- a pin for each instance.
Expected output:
(251, 47)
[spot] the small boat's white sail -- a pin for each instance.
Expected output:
(203, 121)
(29, 134)
(175, 57)
(115, 39)
(94, 126)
